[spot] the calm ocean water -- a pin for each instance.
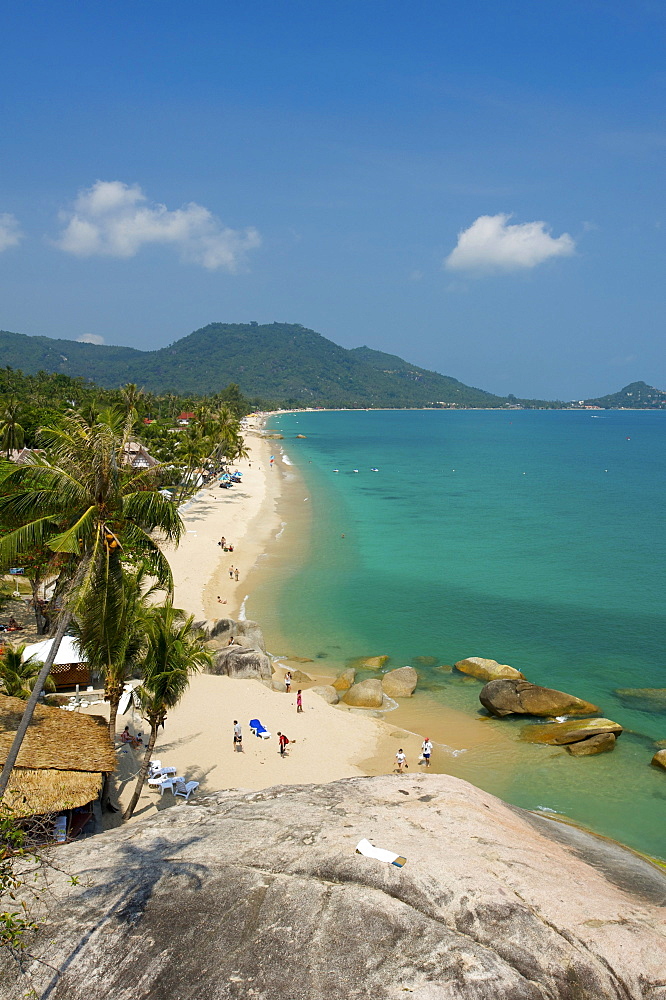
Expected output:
(534, 538)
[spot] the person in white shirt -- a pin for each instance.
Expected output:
(401, 760)
(426, 750)
(238, 736)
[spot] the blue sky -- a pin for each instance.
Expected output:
(478, 188)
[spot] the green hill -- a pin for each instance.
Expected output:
(277, 361)
(636, 395)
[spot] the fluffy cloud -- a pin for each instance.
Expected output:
(10, 232)
(115, 220)
(90, 338)
(491, 244)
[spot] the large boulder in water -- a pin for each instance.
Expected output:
(487, 670)
(659, 759)
(262, 895)
(400, 683)
(366, 694)
(601, 743)
(241, 662)
(647, 699)
(561, 733)
(518, 697)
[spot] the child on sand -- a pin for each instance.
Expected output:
(401, 760)
(299, 701)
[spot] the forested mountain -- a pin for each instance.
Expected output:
(278, 361)
(635, 396)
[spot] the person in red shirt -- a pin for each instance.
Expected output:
(283, 741)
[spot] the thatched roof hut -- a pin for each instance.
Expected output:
(62, 761)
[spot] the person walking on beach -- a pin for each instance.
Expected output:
(223, 541)
(299, 701)
(426, 750)
(236, 574)
(231, 572)
(287, 681)
(238, 737)
(401, 760)
(284, 742)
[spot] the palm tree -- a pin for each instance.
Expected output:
(17, 678)
(84, 502)
(174, 651)
(12, 434)
(110, 629)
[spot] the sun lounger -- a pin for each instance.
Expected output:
(185, 788)
(166, 782)
(257, 729)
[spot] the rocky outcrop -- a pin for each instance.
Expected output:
(561, 733)
(366, 694)
(298, 677)
(327, 692)
(344, 680)
(487, 670)
(659, 759)
(516, 697)
(241, 662)
(400, 683)
(261, 894)
(246, 633)
(601, 743)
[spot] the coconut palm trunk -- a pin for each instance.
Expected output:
(65, 619)
(143, 772)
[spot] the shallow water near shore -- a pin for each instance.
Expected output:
(534, 538)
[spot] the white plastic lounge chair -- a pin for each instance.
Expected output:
(185, 789)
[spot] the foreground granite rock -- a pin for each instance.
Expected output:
(344, 680)
(400, 683)
(327, 692)
(487, 670)
(261, 895)
(519, 697)
(659, 759)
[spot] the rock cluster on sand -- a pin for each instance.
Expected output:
(659, 759)
(520, 697)
(327, 692)
(242, 662)
(487, 670)
(262, 895)
(344, 680)
(365, 694)
(400, 683)
(246, 633)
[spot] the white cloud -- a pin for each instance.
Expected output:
(90, 338)
(490, 244)
(10, 232)
(115, 220)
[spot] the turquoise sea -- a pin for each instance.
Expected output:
(536, 538)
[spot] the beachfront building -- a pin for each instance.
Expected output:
(69, 667)
(184, 418)
(137, 456)
(60, 771)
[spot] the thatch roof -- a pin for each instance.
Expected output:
(35, 793)
(57, 740)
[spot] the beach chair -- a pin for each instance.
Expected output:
(257, 729)
(185, 788)
(165, 782)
